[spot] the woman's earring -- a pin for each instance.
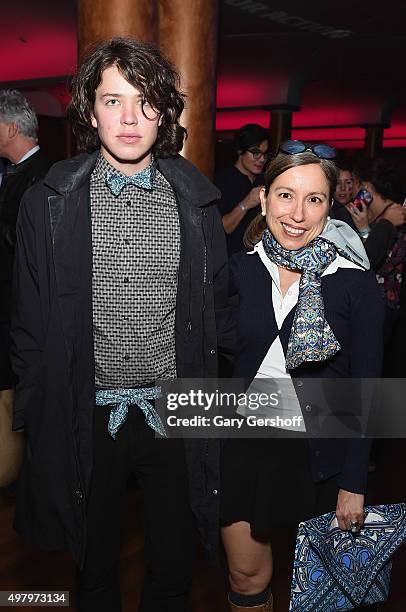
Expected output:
(263, 213)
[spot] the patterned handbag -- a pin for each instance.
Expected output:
(338, 570)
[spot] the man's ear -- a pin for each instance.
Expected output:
(160, 120)
(93, 121)
(12, 130)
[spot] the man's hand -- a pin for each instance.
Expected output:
(252, 199)
(232, 219)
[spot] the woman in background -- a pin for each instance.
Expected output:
(382, 227)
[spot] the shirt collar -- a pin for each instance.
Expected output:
(269, 265)
(28, 154)
(103, 167)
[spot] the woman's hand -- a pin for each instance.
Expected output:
(360, 217)
(350, 508)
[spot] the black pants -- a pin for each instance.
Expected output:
(169, 525)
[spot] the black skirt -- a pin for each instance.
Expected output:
(268, 483)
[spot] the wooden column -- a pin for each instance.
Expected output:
(188, 36)
(373, 141)
(280, 128)
(102, 19)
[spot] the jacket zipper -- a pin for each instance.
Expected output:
(204, 214)
(189, 322)
(81, 488)
(205, 459)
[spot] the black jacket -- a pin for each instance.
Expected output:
(17, 179)
(53, 344)
(354, 309)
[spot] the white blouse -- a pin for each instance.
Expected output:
(274, 366)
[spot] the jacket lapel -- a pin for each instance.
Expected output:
(69, 213)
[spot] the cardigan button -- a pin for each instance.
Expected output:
(215, 492)
(308, 408)
(300, 383)
(320, 475)
(213, 352)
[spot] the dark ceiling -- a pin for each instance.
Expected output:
(338, 65)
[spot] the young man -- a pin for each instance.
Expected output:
(240, 184)
(120, 280)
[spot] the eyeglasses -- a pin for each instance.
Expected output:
(257, 154)
(323, 151)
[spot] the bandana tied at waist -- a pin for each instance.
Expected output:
(121, 399)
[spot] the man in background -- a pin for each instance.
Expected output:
(19, 145)
(240, 184)
(24, 165)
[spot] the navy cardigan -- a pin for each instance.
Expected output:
(354, 309)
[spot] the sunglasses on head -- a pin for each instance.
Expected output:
(292, 147)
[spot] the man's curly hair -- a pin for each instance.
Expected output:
(144, 67)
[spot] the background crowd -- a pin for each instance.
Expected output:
(369, 197)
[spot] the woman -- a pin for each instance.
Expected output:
(383, 229)
(378, 224)
(308, 308)
(345, 184)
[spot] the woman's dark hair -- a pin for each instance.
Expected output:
(344, 166)
(383, 177)
(144, 67)
(279, 164)
(249, 135)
